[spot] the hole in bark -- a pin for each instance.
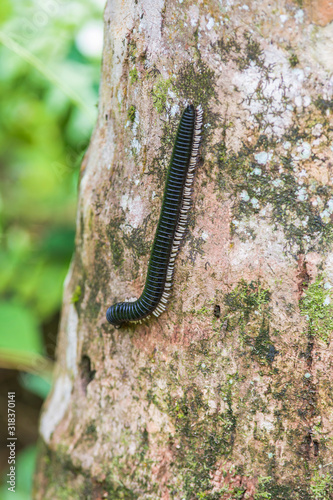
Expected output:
(87, 374)
(217, 311)
(308, 442)
(315, 448)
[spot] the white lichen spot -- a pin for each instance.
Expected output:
(305, 150)
(210, 23)
(277, 182)
(255, 202)
(56, 406)
(171, 94)
(174, 110)
(135, 146)
(306, 101)
(262, 158)
(287, 145)
(204, 235)
(257, 171)
(134, 209)
(299, 16)
(302, 194)
(283, 18)
(327, 285)
(244, 196)
(330, 205)
(193, 12)
(71, 350)
(325, 216)
(266, 424)
(299, 101)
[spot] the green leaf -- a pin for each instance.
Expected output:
(19, 330)
(34, 383)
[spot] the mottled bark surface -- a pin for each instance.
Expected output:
(228, 395)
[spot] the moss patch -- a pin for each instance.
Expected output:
(248, 310)
(196, 83)
(131, 113)
(134, 76)
(203, 438)
(321, 487)
(76, 295)
(243, 52)
(160, 93)
(317, 307)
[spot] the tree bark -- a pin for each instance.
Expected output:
(227, 395)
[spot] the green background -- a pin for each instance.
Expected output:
(50, 54)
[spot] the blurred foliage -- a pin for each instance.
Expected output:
(25, 466)
(50, 53)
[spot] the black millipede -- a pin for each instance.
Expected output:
(171, 225)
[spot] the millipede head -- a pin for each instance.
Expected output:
(111, 317)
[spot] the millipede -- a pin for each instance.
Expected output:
(171, 226)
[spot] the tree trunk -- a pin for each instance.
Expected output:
(227, 395)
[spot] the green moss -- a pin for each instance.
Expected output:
(160, 93)
(269, 488)
(263, 348)
(76, 295)
(323, 104)
(131, 113)
(241, 52)
(196, 83)
(134, 76)
(248, 311)
(321, 487)
(204, 438)
(317, 307)
(293, 60)
(261, 492)
(247, 298)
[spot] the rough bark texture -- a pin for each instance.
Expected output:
(228, 394)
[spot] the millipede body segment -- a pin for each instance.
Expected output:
(171, 225)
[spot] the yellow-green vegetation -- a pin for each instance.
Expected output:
(261, 491)
(131, 113)
(317, 307)
(160, 92)
(76, 295)
(321, 486)
(48, 91)
(134, 76)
